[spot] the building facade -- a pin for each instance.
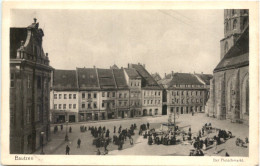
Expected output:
(64, 96)
(151, 92)
(133, 80)
(30, 75)
(185, 92)
(229, 92)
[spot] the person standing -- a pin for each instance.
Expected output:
(79, 142)
(67, 150)
(148, 125)
(215, 146)
(61, 127)
(107, 133)
(114, 129)
(70, 130)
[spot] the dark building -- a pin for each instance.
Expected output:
(30, 75)
(229, 91)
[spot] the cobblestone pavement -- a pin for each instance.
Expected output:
(57, 144)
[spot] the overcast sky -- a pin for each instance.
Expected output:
(163, 40)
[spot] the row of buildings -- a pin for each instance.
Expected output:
(97, 94)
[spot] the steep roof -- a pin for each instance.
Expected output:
(132, 73)
(64, 80)
(147, 80)
(156, 76)
(205, 77)
(87, 79)
(106, 79)
(120, 78)
(238, 55)
(184, 79)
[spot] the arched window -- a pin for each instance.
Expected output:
(235, 24)
(233, 12)
(245, 22)
(226, 48)
(227, 27)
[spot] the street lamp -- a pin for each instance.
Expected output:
(66, 136)
(42, 133)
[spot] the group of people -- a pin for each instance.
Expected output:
(144, 127)
(61, 128)
(83, 128)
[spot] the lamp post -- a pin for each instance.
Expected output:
(42, 133)
(66, 136)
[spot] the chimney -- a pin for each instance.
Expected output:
(94, 66)
(35, 20)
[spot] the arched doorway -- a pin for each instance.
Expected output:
(145, 112)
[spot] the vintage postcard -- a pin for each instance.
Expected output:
(130, 83)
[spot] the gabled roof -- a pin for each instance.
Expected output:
(120, 78)
(147, 80)
(184, 79)
(205, 77)
(87, 79)
(238, 55)
(65, 80)
(106, 79)
(132, 73)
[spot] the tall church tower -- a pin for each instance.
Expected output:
(235, 20)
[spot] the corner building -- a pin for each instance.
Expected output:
(30, 75)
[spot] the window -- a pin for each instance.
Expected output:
(28, 82)
(233, 12)
(103, 104)
(114, 94)
(83, 105)
(74, 96)
(12, 80)
(70, 105)
(28, 115)
(151, 101)
(59, 106)
(201, 100)
(155, 101)
(125, 103)
(39, 82)
(155, 93)
(125, 95)
(74, 106)
(70, 96)
(144, 101)
(64, 106)
(177, 93)
(108, 105)
(65, 96)
(55, 106)
(113, 105)
(95, 105)
(120, 95)
(108, 94)
(156, 111)
(59, 96)
(120, 103)
(159, 93)
(38, 113)
(182, 93)
(103, 94)
(55, 96)
(89, 105)
(226, 48)
(95, 95)
(158, 101)
(144, 94)
(235, 24)
(131, 84)
(89, 95)
(147, 101)
(83, 95)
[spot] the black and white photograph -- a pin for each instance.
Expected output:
(136, 82)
